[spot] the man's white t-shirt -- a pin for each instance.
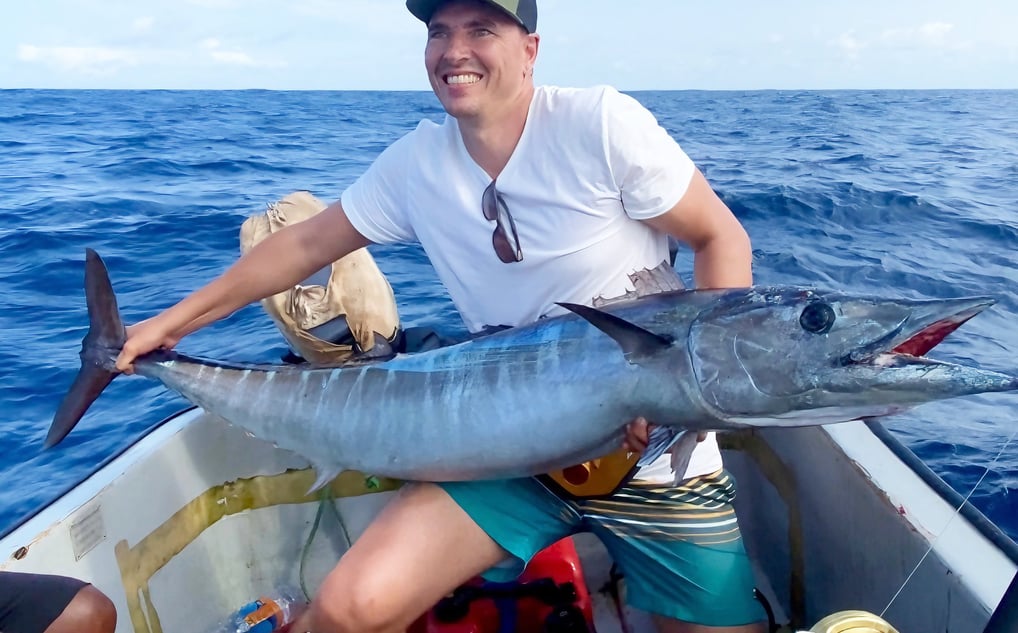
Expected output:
(589, 164)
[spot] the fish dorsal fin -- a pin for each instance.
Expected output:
(636, 342)
(646, 282)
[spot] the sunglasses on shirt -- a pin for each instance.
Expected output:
(505, 240)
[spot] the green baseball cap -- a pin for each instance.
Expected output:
(523, 11)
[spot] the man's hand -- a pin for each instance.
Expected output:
(142, 338)
(638, 434)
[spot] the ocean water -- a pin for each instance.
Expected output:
(896, 193)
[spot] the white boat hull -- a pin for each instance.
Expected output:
(196, 519)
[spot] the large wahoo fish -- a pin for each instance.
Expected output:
(559, 392)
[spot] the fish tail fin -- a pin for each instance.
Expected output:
(99, 349)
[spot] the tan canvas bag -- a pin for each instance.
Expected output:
(354, 288)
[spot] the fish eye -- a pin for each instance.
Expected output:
(817, 318)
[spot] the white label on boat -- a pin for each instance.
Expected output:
(87, 531)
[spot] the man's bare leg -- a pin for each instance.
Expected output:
(90, 611)
(420, 548)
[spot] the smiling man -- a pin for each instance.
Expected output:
(523, 197)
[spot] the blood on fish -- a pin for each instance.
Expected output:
(930, 337)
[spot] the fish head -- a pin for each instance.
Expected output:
(795, 356)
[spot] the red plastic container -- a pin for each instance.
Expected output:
(559, 562)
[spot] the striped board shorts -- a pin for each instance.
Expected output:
(679, 547)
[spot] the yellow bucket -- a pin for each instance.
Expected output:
(853, 622)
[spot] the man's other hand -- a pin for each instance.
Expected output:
(638, 434)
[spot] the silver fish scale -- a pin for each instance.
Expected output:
(511, 399)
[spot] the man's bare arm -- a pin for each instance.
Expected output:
(722, 252)
(722, 258)
(273, 265)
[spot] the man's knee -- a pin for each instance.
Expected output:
(361, 605)
(90, 611)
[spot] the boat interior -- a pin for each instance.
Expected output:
(197, 518)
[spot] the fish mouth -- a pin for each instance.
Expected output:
(929, 323)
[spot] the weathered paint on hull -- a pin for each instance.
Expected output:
(197, 508)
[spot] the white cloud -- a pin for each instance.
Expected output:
(105, 61)
(92, 60)
(216, 4)
(935, 30)
(372, 15)
(850, 44)
(143, 25)
(214, 48)
(237, 58)
(929, 34)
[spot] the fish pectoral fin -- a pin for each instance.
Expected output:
(636, 342)
(663, 439)
(325, 475)
(660, 440)
(681, 454)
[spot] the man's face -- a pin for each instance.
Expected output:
(478, 59)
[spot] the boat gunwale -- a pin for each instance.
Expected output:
(952, 497)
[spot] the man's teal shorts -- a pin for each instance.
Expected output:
(679, 548)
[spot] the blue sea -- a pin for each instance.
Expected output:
(911, 193)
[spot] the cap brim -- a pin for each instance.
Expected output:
(424, 9)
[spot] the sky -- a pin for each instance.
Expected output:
(631, 44)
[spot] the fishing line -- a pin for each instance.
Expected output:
(933, 543)
(325, 500)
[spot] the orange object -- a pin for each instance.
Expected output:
(267, 609)
(552, 581)
(596, 478)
